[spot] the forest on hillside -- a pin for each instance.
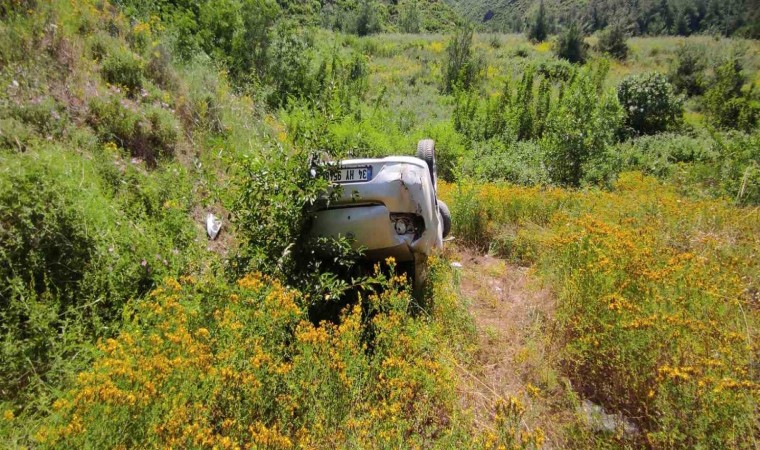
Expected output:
(646, 17)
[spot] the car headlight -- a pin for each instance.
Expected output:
(404, 224)
(401, 226)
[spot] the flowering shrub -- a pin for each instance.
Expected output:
(649, 103)
(657, 300)
(205, 364)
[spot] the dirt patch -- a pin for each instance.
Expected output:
(513, 316)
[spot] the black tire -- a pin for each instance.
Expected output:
(426, 152)
(446, 216)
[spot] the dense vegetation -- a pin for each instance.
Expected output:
(652, 17)
(655, 311)
(122, 124)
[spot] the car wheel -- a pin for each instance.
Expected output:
(426, 152)
(446, 216)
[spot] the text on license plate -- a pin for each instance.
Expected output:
(351, 174)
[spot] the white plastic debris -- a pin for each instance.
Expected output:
(456, 265)
(213, 225)
(600, 420)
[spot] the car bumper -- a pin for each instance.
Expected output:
(369, 227)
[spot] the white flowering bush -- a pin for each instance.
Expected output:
(650, 103)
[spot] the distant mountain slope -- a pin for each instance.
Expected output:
(504, 15)
(728, 17)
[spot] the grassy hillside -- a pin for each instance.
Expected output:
(629, 186)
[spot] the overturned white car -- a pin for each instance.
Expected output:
(388, 207)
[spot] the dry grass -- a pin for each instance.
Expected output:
(515, 355)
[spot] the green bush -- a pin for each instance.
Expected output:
(14, 134)
(687, 72)
(660, 154)
(409, 17)
(521, 51)
(367, 18)
(253, 41)
(519, 163)
(718, 164)
(149, 133)
(555, 70)
(581, 128)
(470, 218)
(70, 258)
(125, 69)
(43, 118)
(518, 244)
(612, 41)
(289, 62)
(185, 34)
(271, 211)
(571, 46)
(449, 149)
(218, 23)
(516, 114)
(112, 121)
(734, 172)
(47, 249)
(649, 103)
(161, 130)
(159, 69)
(727, 105)
(74, 248)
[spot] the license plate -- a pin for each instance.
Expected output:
(351, 174)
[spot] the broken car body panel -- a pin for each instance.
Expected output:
(395, 213)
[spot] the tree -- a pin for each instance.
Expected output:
(612, 41)
(252, 43)
(581, 128)
(367, 21)
(288, 61)
(571, 46)
(462, 68)
(539, 30)
(409, 19)
(682, 25)
(726, 105)
(687, 72)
